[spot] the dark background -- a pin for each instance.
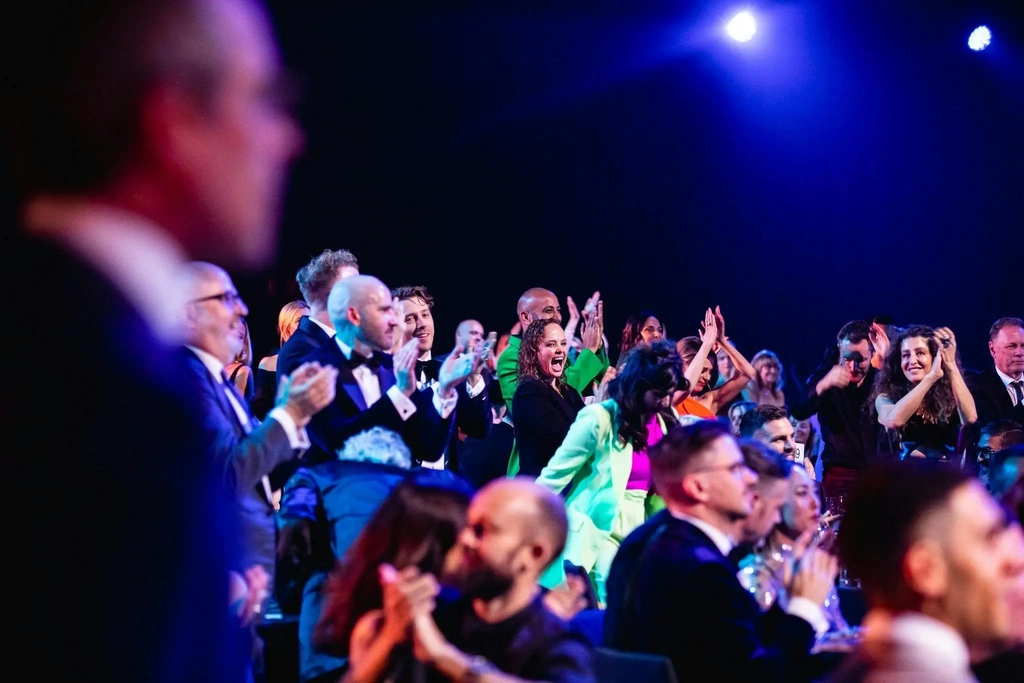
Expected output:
(854, 159)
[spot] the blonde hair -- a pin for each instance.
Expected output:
(289, 317)
(762, 358)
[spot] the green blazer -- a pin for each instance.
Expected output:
(593, 464)
(579, 375)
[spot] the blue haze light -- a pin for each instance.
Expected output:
(742, 27)
(980, 38)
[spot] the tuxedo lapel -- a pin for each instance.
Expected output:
(386, 373)
(346, 380)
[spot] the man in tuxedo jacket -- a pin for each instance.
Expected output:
(999, 390)
(315, 280)
(244, 450)
(141, 136)
(375, 389)
(414, 307)
(672, 590)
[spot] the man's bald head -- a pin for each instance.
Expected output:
(361, 309)
(213, 311)
(469, 333)
(538, 304)
(538, 513)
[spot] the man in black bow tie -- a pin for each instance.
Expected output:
(376, 389)
(414, 307)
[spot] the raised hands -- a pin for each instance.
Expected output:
(879, 340)
(947, 346)
(574, 318)
(458, 368)
(407, 594)
(815, 576)
(569, 600)
(405, 366)
(936, 371)
(720, 323)
(593, 323)
(837, 378)
(601, 393)
(309, 389)
(709, 332)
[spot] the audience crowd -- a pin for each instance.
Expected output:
(518, 507)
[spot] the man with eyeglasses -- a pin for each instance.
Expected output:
(141, 135)
(674, 592)
(996, 436)
(244, 451)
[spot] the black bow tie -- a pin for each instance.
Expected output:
(357, 359)
(428, 369)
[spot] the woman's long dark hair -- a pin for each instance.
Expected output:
(645, 367)
(529, 367)
(415, 526)
(939, 403)
(634, 326)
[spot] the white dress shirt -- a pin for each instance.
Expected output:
(138, 257)
(1007, 380)
(369, 386)
(297, 437)
(797, 606)
(925, 649)
(422, 382)
(330, 331)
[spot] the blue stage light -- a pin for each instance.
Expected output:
(742, 27)
(979, 39)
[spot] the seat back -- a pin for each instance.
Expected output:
(613, 666)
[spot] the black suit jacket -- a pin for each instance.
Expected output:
(543, 418)
(671, 592)
(425, 433)
(123, 540)
(993, 403)
(307, 338)
(992, 398)
(242, 460)
(472, 417)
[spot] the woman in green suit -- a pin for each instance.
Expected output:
(602, 468)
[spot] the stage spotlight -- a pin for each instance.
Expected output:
(742, 27)
(979, 38)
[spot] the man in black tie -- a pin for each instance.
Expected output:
(244, 450)
(999, 390)
(672, 590)
(375, 389)
(315, 280)
(414, 307)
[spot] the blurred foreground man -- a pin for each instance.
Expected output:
(140, 135)
(938, 564)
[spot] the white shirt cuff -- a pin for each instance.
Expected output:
(445, 406)
(298, 438)
(477, 388)
(403, 404)
(809, 612)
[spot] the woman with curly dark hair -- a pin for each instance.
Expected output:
(644, 326)
(920, 393)
(544, 405)
(416, 526)
(602, 465)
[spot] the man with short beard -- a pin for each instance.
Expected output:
(498, 630)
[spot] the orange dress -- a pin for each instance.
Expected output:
(691, 406)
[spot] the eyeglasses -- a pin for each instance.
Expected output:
(229, 299)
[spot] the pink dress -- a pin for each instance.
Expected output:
(640, 474)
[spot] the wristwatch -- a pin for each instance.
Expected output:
(477, 669)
